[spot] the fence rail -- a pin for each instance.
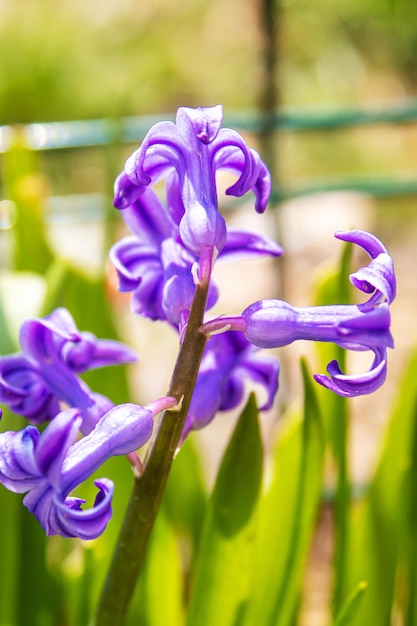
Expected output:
(101, 132)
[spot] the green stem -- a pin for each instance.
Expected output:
(149, 487)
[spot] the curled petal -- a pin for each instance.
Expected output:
(356, 385)
(378, 277)
(163, 135)
(371, 244)
(262, 371)
(39, 338)
(131, 260)
(24, 390)
(234, 160)
(228, 138)
(18, 468)
(72, 521)
(125, 192)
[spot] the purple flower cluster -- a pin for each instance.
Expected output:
(175, 239)
(40, 383)
(158, 263)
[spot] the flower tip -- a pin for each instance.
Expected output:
(205, 121)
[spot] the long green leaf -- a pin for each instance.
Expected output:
(378, 522)
(333, 287)
(221, 586)
(159, 597)
(348, 610)
(26, 187)
(287, 516)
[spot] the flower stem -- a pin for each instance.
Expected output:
(149, 487)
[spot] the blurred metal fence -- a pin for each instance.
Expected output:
(102, 132)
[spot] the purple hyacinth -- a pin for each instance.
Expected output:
(187, 155)
(274, 323)
(229, 360)
(41, 379)
(47, 467)
(160, 271)
(175, 245)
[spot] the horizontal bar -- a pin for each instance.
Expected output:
(99, 132)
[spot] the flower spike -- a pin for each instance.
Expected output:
(188, 154)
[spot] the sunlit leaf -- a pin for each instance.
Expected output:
(287, 515)
(379, 521)
(221, 586)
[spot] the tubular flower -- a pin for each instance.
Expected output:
(155, 265)
(44, 375)
(188, 154)
(229, 360)
(47, 467)
(274, 323)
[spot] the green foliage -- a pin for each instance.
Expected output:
(287, 515)
(221, 587)
(383, 533)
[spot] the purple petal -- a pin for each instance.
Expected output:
(371, 244)
(123, 429)
(39, 338)
(355, 385)
(71, 521)
(242, 244)
(18, 469)
(378, 277)
(91, 353)
(125, 192)
(205, 122)
(203, 226)
(55, 442)
(23, 389)
(261, 370)
(163, 135)
(235, 160)
(148, 219)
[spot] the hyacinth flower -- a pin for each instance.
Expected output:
(229, 360)
(159, 270)
(43, 378)
(47, 467)
(161, 261)
(274, 323)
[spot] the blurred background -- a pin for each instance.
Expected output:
(326, 91)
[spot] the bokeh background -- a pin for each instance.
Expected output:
(310, 62)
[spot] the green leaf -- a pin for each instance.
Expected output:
(221, 586)
(27, 189)
(379, 521)
(333, 287)
(351, 605)
(287, 515)
(159, 598)
(185, 497)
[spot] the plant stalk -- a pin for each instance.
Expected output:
(148, 489)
